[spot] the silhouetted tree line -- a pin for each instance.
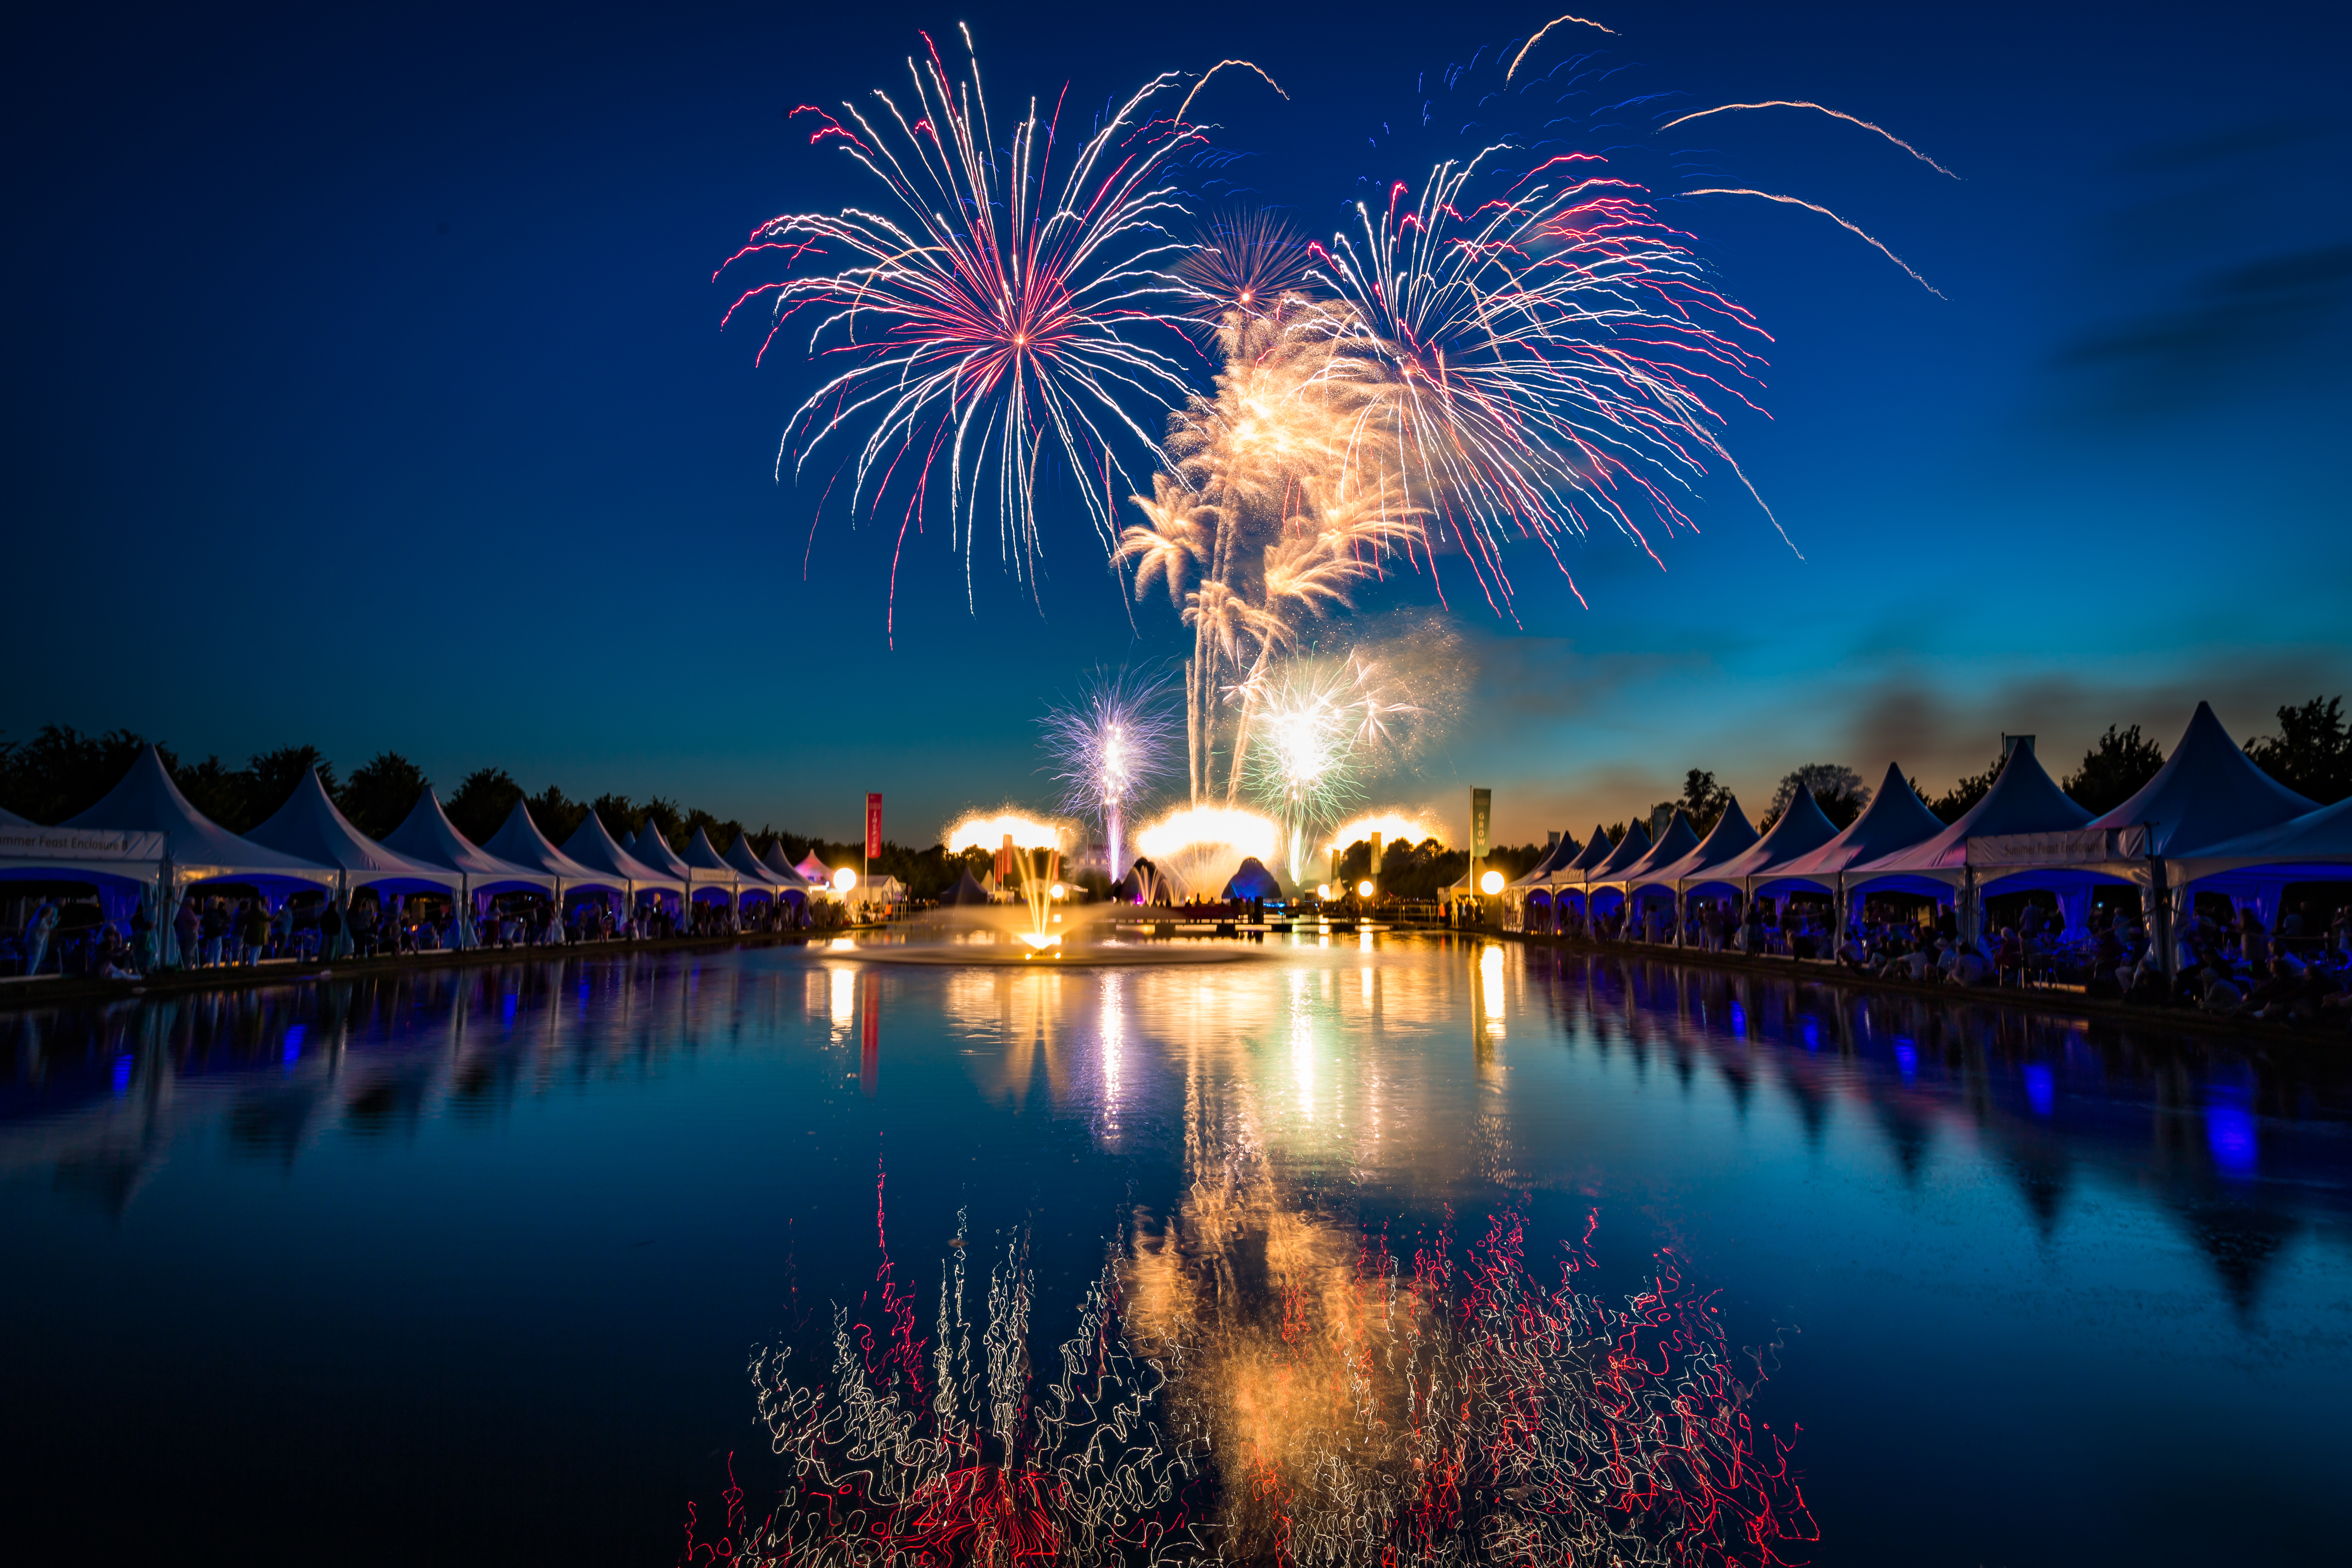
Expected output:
(61, 773)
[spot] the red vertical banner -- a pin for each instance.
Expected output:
(869, 1032)
(873, 827)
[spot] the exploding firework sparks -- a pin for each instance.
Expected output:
(1110, 748)
(998, 316)
(1313, 734)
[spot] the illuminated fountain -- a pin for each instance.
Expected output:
(1039, 919)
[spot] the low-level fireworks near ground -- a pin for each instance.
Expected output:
(1059, 787)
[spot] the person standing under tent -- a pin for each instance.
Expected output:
(185, 925)
(214, 932)
(253, 933)
(43, 920)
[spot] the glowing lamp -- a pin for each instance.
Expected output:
(1059, 892)
(1491, 883)
(1364, 888)
(843, 880)
(1322, 889)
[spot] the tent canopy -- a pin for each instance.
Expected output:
(596, 848)
(310, 826)
(1560, 855)
(701, 854)
(2208, 792)
(1253, 881)
(430, 836)
(1676, 843)
(966, 892)
(650, 849)
(1630, 850)
(2318, 843)
(1895, 819)
(776, 860)
(1732, 836)
(740, 857)
(1800, 830)
(147, 801)
(814, 871)
(521, 842)
(2023, 799)
(1592, 857)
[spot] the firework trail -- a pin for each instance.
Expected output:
(1850, 228)
(1817, 107)
(998, 314)
(1110, 748)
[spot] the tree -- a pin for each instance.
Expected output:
(621, 815)
(2113, 770)
(61, 773)
(483, 803)
(556, 815)
(1956, 802)
(2311, 753)
(379, 796)
(217, 790)
(1703, 801)
(1837, 789)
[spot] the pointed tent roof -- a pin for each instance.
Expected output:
(1733, 834)
(1630, 848)
(2023, 799)
(596, 848)
(147, 801)
(1676, 843)
(10, 819)
(310, 826)
(2208, 792)
(521, 842)
(429, 836)
(776, 860)
(1561, 853)
(739, 855)
(813, 869)
(1895, 819)
(965, 892)
(2322, 837)
(650, 849)
(703, 856)
(1800, 830)
(1593, 856)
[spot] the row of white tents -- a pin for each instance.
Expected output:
(145, 844)
(2210, 821)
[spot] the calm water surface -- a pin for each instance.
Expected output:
(467, 1265)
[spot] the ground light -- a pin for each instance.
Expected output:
(1491, 883)
(1364, 888)
(843, 880)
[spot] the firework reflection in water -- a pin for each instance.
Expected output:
(961, 1461)
(1356, 1411)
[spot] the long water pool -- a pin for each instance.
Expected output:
(471, 1264)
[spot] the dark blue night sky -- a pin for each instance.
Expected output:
(366, 387)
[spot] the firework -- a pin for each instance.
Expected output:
(1200, 847)
(1312, 733)
(1002, 310)
(1110, 748)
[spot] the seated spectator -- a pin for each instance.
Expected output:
(2220, 996)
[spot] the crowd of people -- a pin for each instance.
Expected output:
(223, 931)
(2235, 966)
